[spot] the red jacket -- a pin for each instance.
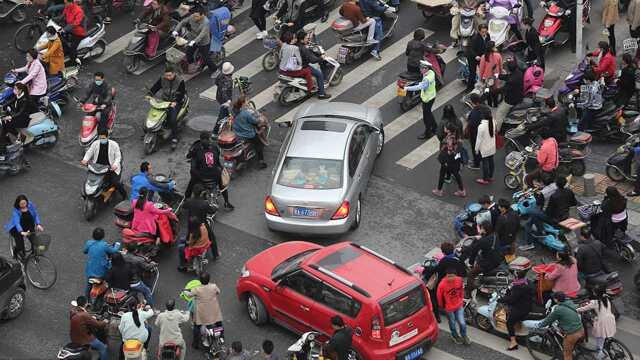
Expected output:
(607, 65)
(548, 154)
(451, 293)
(74, 16)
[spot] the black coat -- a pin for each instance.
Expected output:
(559, 203)
(507, 227)
(486, 251)
(478, 45)
(205, 160)
(520, 300)
(590, 257)
(98, 95)
(415, 52)
(513, 89)
(445, 263)
(20, 111)
(452, 160)
(553, 123)
(308, 56)
(532, 37)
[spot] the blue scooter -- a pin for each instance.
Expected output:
(525, 204)
(58, 87)
(42, 131)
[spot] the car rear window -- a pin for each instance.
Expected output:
(306, 173)
(402, 306)
(324, 126)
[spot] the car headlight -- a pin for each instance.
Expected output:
(244, 272)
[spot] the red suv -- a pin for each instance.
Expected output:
(301, 286)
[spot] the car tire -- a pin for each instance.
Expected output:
(12, 310)
(358, 215)
(380, 146)
(256, 310)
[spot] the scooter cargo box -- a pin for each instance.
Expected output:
(432, 3)
(581, 138)
(227, 137)
(123, 210)
(520, 263)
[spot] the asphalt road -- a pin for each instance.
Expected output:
(401, 218)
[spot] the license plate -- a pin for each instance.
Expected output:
(227, 164)
(401, 91)
(415, 354)
(548, 23)
(305, 212)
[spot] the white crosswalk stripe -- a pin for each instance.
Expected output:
(437, 354)
(255, 66)
(121, 43)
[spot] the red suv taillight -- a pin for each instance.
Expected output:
(269, 207)
(342, 212)
(375, 328)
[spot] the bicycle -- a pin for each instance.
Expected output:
(39, 269)
(31, 33)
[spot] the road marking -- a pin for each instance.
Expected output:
(254, 67)
(490, 341)
(121, 43)
(629, 325)
(358, 74)
(420, 154)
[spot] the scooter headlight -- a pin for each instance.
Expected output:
(90, 189)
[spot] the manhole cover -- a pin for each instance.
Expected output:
(202, 123)
(122, 131)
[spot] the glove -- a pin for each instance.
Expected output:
(175, 33)
(191, 43)
(391, 9)
(117, 244)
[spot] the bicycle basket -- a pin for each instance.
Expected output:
(175, 56)
(41, 243)
(270, 42)
(514, 160)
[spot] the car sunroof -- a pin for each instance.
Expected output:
(320, 125)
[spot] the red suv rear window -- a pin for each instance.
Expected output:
(403, 305)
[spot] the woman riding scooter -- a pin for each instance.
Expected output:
(158, 16)
(19, 111)
(519, 299)
(145, 215)
(309, 57)
(291, 60)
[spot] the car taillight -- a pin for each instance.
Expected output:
(342, 212)
(375, 328)
(401, 83)
(270, 207)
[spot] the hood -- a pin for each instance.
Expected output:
(266, 261)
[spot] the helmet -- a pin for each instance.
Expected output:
(425, 63)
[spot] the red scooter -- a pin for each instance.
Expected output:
(237, 152)
(556, 20)
(89, 128)
(167, 228)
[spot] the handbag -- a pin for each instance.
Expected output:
(499, 141)
(225, 177)
(292, 64)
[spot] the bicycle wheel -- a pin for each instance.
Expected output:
(41, 271)
(26, 36)
(616, 350)
(542, 346)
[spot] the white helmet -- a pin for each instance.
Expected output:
(425, 63)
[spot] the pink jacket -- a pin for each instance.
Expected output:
(37, 76)
(145, 220)
(566, 279)
(486, 67)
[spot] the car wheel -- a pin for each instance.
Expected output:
(353, 355)
(380, 145)
(358, 216)
(15, 305)
(256, 310)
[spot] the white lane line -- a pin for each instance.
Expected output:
(121, 43)
(437, 354)
(490, 341)
(357, 75)
(420, 154)
(629, 325)
(254, 67)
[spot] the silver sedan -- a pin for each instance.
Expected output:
(321, 174)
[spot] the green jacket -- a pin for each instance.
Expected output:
(566, 315)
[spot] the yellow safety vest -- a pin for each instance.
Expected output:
(429, 93)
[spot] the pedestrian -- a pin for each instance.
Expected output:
(258, 15)
(427, 89)
(450, 159)
(604, 324)
(475, 51)
(507, 227)
(450, 123)
(519, 301)
(471, 131)
(568, 320)
(561, 201)
(490, 67)
(267, 350)
(633, 18)
(451, 298)
(609, 19)
(168, 323)
(513, 91)
(434, 274)
(237, 352)
(486, 147)
(532, 37)
(627, 81)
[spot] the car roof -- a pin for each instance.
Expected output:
(319, 144)
(356, 264)
(338, 109)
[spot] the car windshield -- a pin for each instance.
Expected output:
(305, 173)
(291, 263)
(403, 306)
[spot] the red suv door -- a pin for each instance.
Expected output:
(293, 299)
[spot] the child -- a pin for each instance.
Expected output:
(451, 298)
(450, 159)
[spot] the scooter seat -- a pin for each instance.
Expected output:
(227, 137)
(36, 118)
(53, 82)
(581, 138)
(603, 279)
(94, 30)
(410, 76)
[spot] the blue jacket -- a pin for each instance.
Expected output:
(244, 125)
(15, 218)
(97, 259)
(372, 8)
(218, 22)
(141, 180)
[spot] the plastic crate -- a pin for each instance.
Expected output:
(41, 243)
(270, 42)
(175, 56)
(514, 160)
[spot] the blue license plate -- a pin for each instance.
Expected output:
(415, 354)
(305, 212)
(227, 164)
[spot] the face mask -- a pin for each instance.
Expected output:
(104, 141)
(99, 82)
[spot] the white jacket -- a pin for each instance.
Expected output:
(485, 143)
(115, 156)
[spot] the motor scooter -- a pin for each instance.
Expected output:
(42, 131)
(575, 79)
(550, 26)
(97, 191)
(271, 58)
(238, 152)
(156, 128)
(620, 166)
(533, 79)
(99, 7)
(467, 26)
(169, 351)
(293, 90)
(89, 128)
(135, 54)
(500, 14)
(431, 8)
(14, 10)
(12, 159)
(493, 316)
(133, 349)
(73, 351)
(168, 227)
(90, 47)
(409, 99)
(353, 42)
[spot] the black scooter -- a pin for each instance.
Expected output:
(13, 10)
(12, 159)
(619, 163)
(96, 190)
(135, 54)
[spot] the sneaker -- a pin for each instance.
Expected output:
(229, 207)
(260, 35)
(448, 180)
(107, 20)
(460, 193)
(633, 193)
(456, 339)
(526, 247)
(324, 96)
(466, 341)
(437, 192)
(376, 55)
(262, 165)
(482, 181)
(473, 167)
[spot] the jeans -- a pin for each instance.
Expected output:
(142, 288)
(454, 317)
(599, 345)
(587, 118)
(371, 32)
(612, 38)
(101, 348)
(378, 34)
(473, 75)
(317, 73)
(537, 218)
(488, 167)
(430, 125)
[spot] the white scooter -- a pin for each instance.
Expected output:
(493, 316)
(293, 90)
(91, 47)
(498, 25)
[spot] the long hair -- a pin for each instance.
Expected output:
(19, 198)
(565, 258)
(486, 114)
(142, 199)
(133, 307)
(601, 295)
(194, 227)
(449, 113)
(489, 50)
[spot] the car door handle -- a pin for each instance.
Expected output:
(304, 308)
